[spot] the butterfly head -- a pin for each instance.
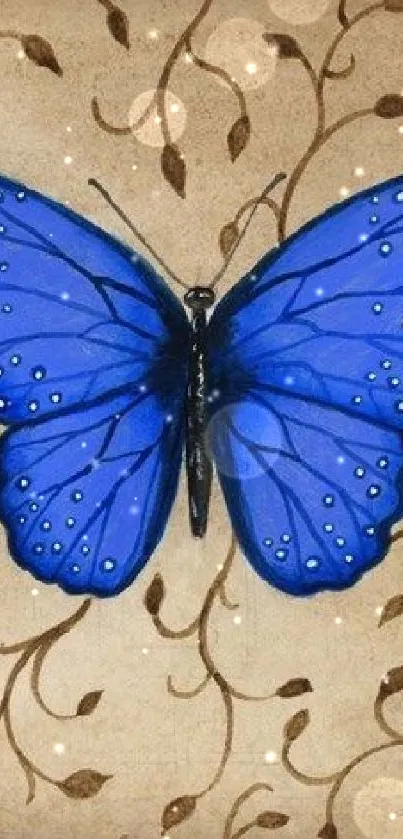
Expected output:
(199, 298)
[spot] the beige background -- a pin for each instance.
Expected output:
(156, 746)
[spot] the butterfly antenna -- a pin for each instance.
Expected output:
(273, 183)
(122, 215)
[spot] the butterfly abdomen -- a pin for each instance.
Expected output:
(199, 470)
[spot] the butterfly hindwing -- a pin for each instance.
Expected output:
(311, 343)
(93, 350)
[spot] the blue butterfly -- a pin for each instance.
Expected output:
(294, 388)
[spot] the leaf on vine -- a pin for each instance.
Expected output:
(154, 595)
(272, 820)
(229, 234)
(118, 26)
(392, 609)
(83, 784)
(393, 683)
(296, 725)
(393, 5)
(389, 106)
(88, 703)
(329, 831)
(341, 74)
(294, 687)
(342, 15)
(41, 53)
(177, 811)
(239, 136)
(287, 47)
(174, 168)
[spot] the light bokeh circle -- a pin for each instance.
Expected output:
(237, 46)
(299, 12)
(378, 809)
(150, 133)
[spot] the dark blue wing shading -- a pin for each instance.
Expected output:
(93, 349)
(311, 342)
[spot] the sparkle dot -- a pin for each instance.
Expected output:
(57, 547)
(392, 817)
(145, 650)
(76, 569)
(343, 192)
(319, 292)
(85, 550)
(21, 54)
(399, 196)
(374, 219)
(271, 757)
(34, 592)
(349, 558)
(70, 522)
(385, 248)
(7, 309)
(134, 167)
(378, 611)
(77, 495)
(383, 462)
(251, 68)
(46, 525)
(4, 266)
(340, 541)
(377, 308)
(59, 748)
(33, 406)
(370, 531)
(328, 528)
(175, 108)
(356, 400)
(153, 34)
(328, 500)
(68, 160)
(108, 564)
(23, 483)
(312, 562)
(373, 491)
(15, 360)
(286, 538)
(237, 620)
(69, 129)
(38, 373)
(371, 376)
(157, 120)
(399, 406)
(281, 553)
(386, 364)
(359, 172)
(21, 195)
(338, 620)
(55, 398)
(219, 566)
(359, 472)
(400, 129)
(393, 381)
(65, 295)
(38, 548)
(341, 459)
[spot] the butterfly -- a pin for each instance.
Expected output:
(293, 387)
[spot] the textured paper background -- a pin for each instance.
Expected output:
(156, 746)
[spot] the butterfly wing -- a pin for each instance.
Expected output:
(93, 352)
(306, 354)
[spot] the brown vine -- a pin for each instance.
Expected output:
(388, 107)
(84, 783)
(173, 164)
(182, 808)
(390, 685)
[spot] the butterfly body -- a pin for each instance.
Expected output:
(198, 462)
(294, 387)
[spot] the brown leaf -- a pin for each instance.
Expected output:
(118, 26)
(88, 703)
(41, 53)
(392, 609)
(83, 784)
(392, 684)
(329, 831)
(389, 106)
(238, 137)
(178, 811)
(229, 234)
(294, 687)
(154, 595)
(296, 725)
(394, 5)
(173, 168)
(287, 47)
(272, 820)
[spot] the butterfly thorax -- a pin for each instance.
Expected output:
(198, 464)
